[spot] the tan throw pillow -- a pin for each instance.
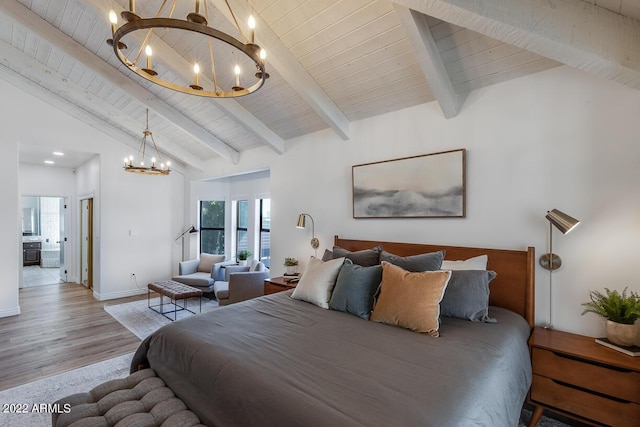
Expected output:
(317, 282)
(207, 261)
(410, 300)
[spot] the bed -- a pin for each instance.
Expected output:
(276, 361)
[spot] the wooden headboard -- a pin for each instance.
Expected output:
(513, 288)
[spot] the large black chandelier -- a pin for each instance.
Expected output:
(221, 51)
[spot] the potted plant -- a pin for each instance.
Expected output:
(242, 257)
(621, 310)
(291, 266)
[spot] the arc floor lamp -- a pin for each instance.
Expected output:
(551, 261)
(190, 230)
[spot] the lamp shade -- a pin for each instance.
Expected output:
(193, 229)
(301, 218)
(562, 221)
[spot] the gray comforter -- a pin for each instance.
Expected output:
(275, 361)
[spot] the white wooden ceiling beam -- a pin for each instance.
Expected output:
(81, 104)
(573, 32)
(281, 58)
(428, 55)
(182, 68)
(58, 40)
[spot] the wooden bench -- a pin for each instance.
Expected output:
(175, 291)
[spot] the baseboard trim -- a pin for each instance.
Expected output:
(10, 312)
(116, 295)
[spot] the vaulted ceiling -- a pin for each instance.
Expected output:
(331, 62)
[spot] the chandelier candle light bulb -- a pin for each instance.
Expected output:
(113, 18)
(236, 70)
(196, 71)
(148, 52)
(252, 27)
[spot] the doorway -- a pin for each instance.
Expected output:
(44, 224)
(86, 243)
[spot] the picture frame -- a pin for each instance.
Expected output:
(425, 186)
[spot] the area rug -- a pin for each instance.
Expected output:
(27, 398)
(137, 317)
(48, 390)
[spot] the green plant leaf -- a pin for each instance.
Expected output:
(615, 306)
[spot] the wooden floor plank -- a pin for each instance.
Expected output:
(60, 328)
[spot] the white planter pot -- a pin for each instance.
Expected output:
(621, 334)
(291, 269)
(242, 262)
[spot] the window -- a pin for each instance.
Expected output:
(265, 231)
(242, 225)
(212, 227)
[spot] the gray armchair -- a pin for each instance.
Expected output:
(241, 283)
(203, 272)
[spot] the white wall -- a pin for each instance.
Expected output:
(556, 139)
(10, 227)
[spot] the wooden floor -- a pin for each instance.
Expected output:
(61, 327)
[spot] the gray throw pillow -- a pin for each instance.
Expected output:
(467, 295)
(415, 263)
(355, 288)
(327, 255)
(366, 258)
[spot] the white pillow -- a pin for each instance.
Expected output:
(317, 282)
(475, 263)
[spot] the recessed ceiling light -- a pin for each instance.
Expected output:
(49, 162)
(58, 153)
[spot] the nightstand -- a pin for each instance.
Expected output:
(575, 377)
(277, 284)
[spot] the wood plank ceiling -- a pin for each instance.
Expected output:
(331, 62)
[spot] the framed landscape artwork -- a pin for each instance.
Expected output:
(426, 186)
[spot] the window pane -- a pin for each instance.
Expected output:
(266, 214)
(265, 248)
(265, 228)
(242, 240)
(243, 214)
(212, 214)
(212, 241)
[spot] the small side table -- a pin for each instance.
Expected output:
(277, 284)
(576, 377)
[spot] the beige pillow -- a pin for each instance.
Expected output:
(410, 300)
(207, 261)
(475, 263)
(317, 282)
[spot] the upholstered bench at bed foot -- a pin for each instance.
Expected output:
(140, 400)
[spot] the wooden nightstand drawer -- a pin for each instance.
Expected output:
(593, 406)
(620, 383)
(270, 288)
(277, 284)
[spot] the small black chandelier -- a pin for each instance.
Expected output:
(134, 165)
